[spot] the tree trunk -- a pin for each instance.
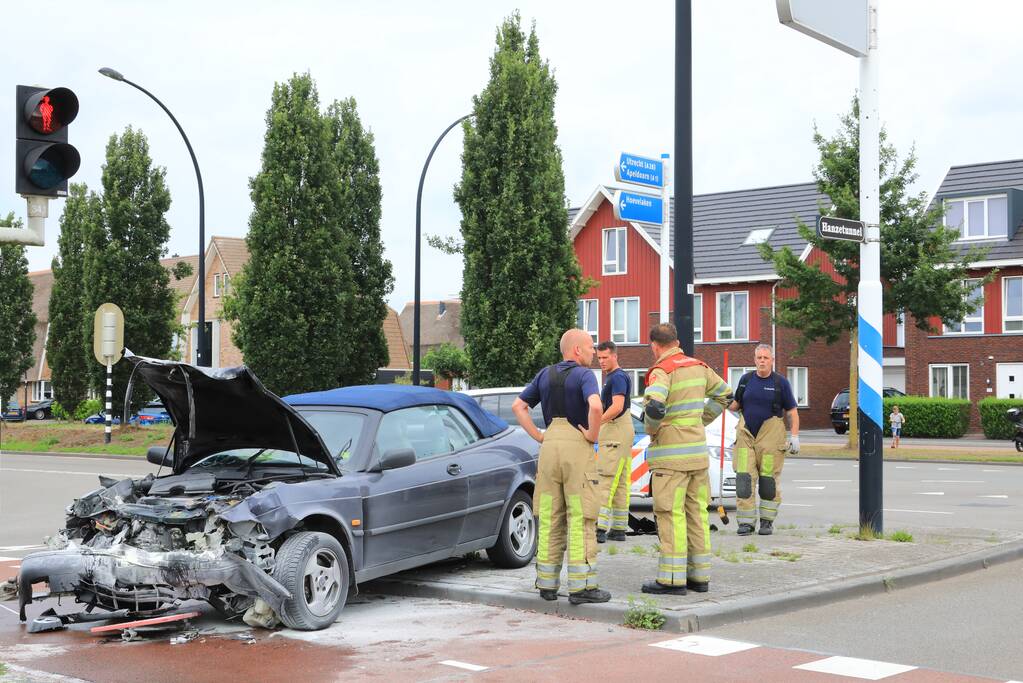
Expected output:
(854, 393)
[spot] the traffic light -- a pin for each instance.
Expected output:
(44, 159)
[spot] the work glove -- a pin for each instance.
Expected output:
(793, 445)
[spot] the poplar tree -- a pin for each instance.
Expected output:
(520, 277)
(17, 321)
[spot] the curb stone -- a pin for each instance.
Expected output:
(702, 618)
(103, 456)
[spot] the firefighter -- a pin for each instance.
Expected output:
(766, 403)
(565, 500)
(614, 454)
(675, 413)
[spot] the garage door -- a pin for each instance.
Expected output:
(1010, 380)
(895, 377)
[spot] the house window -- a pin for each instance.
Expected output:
(638, 377)
(978, 217)
(733, 316)
(1012, 304)
(758, 236)
(615, 251)
(950, 381)
(625, 320)
(586, 316)
(41, 390)
(973, 323)
(735, 374)
(216, 286)
(698, 318)
(798, 380)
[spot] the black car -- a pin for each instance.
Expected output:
(41, 410)
(840, 408)
(286, 505)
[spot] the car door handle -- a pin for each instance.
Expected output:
(454, 468)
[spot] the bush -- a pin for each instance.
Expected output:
(993, 419)
(59, 411)
(935, 418)
(447, 361)
(89, 406)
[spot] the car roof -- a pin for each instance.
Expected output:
(390, 397)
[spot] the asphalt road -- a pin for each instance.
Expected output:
(35, 489)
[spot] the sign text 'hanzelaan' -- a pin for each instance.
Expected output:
(639, 170)
(839, 229)
(641, 208)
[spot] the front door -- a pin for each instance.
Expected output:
(1010, 380)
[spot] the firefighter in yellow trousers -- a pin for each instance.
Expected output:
(566, 497)
(675, 413)
(614, 452)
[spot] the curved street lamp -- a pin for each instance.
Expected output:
(200, 337)
(419, 232)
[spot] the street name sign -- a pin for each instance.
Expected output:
(839, 229)
(639, 170)
(839, 23)
(638, 208)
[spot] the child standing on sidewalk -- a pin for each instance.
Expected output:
(896, 419)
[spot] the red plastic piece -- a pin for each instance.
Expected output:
(144, 622)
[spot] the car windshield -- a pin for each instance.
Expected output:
(257, 457)
(340, 431)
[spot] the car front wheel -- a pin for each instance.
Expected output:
(314, 568)
(841, 430)
(40, 414)
(516, 543)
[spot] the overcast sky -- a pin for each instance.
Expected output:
(949, 85)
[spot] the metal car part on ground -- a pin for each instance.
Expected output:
(277, 509)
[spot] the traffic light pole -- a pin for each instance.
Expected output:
(684, 174)
(34, 234)
(200, 336)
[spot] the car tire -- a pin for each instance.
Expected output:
(314, 568)
(841, 430)
(39, 414)
(516, 542)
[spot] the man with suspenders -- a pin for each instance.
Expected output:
(566, 497)
(614, 453)
(766, 402)
(675, 413)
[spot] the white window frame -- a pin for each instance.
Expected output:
(758, 236)
(216, 285)
(738, 372)
(225, 285)
(964, 235)
(595, 330)
(619, 266)
(1006, 318)
(621, 335)
(947, 368)
(39, 390)
(697, 318)
(635, 374)
(795, 382)
(976, 316)
(731, 329)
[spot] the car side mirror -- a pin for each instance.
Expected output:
(155, 455)
(395, 458)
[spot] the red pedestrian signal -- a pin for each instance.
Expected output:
(45, 161)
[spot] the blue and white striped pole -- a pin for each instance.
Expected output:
(109, 403)
(869, 293)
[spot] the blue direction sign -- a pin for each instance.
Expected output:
(640, 208)
(639, 170)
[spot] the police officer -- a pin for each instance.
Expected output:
(675, 413)
(766, 402)
(565, 500)
(614, 454)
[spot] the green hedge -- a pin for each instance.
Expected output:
(934, 418)
(992, 417)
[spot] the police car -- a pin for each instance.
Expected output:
(499, 402)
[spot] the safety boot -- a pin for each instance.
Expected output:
(601, 536)
(617, 535)
(589, 595)
(745, 529)
(548, 594)
(658, 588)
(698, 586)
(766, 527)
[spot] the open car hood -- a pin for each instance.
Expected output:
(220, 409)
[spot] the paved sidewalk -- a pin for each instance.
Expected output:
(794, 568)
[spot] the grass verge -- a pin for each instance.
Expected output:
(71, 437)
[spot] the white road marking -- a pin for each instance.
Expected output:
(951, 481)
(1000, 495)
(948, 469)
(992, 470)
(797, 505)
(822, 481)
(905, 467)
(37, 675)
(811, 488)
(823, 464)
(88, 474)
(9, 559)
(705, 645)
(10, 610)
(930, 493)
(852, 667)
(12, 548)
(922, 512)
(463, 665)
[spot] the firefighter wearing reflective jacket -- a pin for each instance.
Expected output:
(675, 413)
(565, 500)
(766, 403)
(614, 452)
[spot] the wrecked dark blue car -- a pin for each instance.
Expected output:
(276, 509)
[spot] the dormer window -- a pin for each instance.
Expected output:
(978, 218)
(758, 236)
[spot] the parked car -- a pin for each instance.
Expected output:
(291, 503)
(13, 413)
(152, 413)
(499, 401)
(41, 410)
(840, 408)
(100, 418)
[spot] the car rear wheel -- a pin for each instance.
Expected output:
(314, 568)
(841, 430)
(39, 414)
(516, 543)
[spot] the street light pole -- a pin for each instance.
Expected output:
(684, 266)
(200, 336)
(419, 234)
